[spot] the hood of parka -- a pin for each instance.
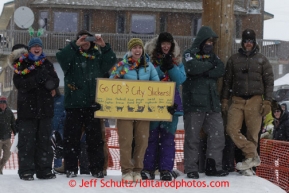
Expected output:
(204, 33)
(15, 54)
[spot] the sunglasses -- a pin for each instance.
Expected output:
(277, 111)
(249, 41)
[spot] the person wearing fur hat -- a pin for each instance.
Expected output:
(160, 153)
(82, 61)
(7, 126)
(34, 78)
(202, 105)
(248, 82)
(135, 65)
(281, 122)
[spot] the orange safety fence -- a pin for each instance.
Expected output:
(274, 156)
(275, 162)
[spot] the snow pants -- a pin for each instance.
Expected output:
(160, 153)
(76, 119)
(212, 124)
(35, 153)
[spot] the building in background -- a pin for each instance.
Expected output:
(118, 21)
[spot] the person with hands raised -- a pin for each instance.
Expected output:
(84, 39)
(82, 62)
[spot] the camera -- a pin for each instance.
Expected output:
(90, 38)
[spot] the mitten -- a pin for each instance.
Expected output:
(167, 63)
(225, 106)
(172, 109)
(96, 106)
(265, 108)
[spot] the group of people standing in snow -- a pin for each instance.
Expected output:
(145, 146)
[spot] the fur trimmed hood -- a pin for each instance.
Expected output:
(15, 55)
(151, 45)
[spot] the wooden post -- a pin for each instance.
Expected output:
(219, 15)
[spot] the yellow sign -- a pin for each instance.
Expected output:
(134, 100)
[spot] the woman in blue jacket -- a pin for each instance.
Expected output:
(160, 154)
(134, 66)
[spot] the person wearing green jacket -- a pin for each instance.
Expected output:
(202, 108)
(82, 61)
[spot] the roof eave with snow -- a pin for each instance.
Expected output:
(133, 5)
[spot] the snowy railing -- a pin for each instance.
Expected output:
(53, 41)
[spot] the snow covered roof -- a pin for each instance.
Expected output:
(284, 80)
(147, 5)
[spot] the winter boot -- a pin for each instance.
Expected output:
(166, 175)
(147, 175)
(71, 174)
(47, 176)
(27, 177)
(211, 169)
(137, 177)
(248, 172)
(248, 163)
(127, 177)
(98, 174)
(59, 170)
(193, 175)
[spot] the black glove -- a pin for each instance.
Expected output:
(96, 106)
(167, 63)
(42, 75)
(172, 109)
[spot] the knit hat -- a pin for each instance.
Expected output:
(3, 100)
(165, 37)
(248, 34)
(83, 32)
(35, 41)
(134, 42)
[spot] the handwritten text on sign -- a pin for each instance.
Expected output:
(134, 100)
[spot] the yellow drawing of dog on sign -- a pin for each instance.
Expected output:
(137, 100)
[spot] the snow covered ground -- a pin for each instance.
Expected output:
(234, 183)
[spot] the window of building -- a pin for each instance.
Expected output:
(120, 24)
(197, 24)
(238, 27)
(280, 69)
(65, 22)
(143, 24)
(86, 21)
(162, 24)
(43, 20)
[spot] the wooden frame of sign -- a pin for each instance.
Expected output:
(134, 99)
